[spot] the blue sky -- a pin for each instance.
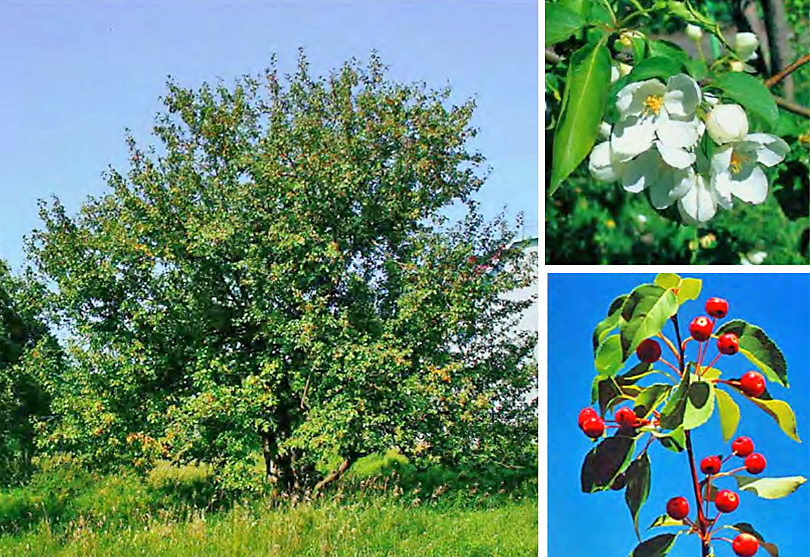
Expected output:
(78, 73)
(592, 524)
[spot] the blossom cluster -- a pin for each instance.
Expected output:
(655, 146)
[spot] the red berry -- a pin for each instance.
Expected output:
(745, 545)
(752, 384)
(755, 463)
(717, 307)
(625, 417)
(726, 501)
(728, 344)
(678, 508)
(649, 351)
(710, 465)
(742, 446)
(593, 427)
(585, 414)
(700, 328)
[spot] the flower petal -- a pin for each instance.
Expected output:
(682, 96)
(698, 205)
(722, 158)
(675, 156)
(751, 187)
(772, 149)
(630, 100)
(669, 186)
(640, 171)
(632, 137)
(601, 163)
(721, 184)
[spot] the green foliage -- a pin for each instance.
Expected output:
(279, 280)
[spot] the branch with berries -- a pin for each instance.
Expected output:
(646, 411)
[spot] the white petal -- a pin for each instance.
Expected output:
(601, 163)
(669, 187)
(632, 137)
(721, 184)
(772, 149)
(630, 100)
(752, 188)
(682, 96)
(639, 171)
(678, 133)
(722, 158)
(674, 156)
(698, 205)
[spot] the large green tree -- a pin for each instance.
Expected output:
(276, 277)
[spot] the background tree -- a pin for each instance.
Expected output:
(277, 278)
(29, 355)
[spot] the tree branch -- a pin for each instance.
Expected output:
(793, 107)
(787, 71)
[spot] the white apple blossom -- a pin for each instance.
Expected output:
(726, 123)
(736, 171)
(699, 204)
(651, 113)
(694, 32)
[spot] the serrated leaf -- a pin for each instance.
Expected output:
(665, 520)
(751, 93)
(582, 109)
(609, 323)
(689, 289)
(657, 546)
(667, 280)
(673, 411)
(650, 397)
(604, 462)
(638, 487)
(729, 414)
(608, 359)
(674, 441)
(759, 349)
(561, 23)
(699, 404)
(645, 313)
(770, 488)
(780, 411)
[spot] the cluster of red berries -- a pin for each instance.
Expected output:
(593, 425)
(725, 500)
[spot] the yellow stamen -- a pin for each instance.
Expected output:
(736, 163)
(653, 104)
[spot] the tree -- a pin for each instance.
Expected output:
(28, 355)
(278, 277)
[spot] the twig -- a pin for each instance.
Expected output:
(792, 107)
(773, 80)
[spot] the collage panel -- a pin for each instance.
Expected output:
(678, 414)
(677, 132)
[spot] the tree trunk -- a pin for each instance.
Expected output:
(778, 39)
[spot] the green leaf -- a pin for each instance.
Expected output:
(667, 280)
(770, 488)
(710, 372)
(759, 349)
(608, 359)
(689, 289)
(607, 391)
(657, 546)
(751, 93)
(664, 520)
(697, 68)
(634, 374)
(780, 411)
(675, 440)
(561, 23)
(650, 397)
(666, 49)
(605, 461)
(638, 487)
(699, 404)
(729, 414)
(673, 411)
(582, 109)
(645, 313)
(609, 323)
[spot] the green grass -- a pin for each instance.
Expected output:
(376, 526)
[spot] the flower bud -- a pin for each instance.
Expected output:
(625, 42)
(694, 32)
(746, 45)
(726, 123)
(624, 69)
(736, 66)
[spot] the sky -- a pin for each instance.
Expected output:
(78, 74)
(585, 525)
